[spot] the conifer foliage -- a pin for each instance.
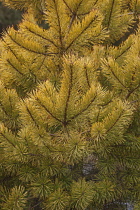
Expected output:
(69, 106)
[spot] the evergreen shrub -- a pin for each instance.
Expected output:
(69, 106)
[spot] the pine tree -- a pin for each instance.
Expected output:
(69, 106)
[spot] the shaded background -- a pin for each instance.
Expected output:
(11, 17)
(8, 17)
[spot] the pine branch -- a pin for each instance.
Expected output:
(85, 109)
(116, 76)
(30, 114)
(4, 136)
(132, 91)
(48, 110)
(115, 122)
(42, 63)
(96, 2)
(71, 21)
(122, 52)
(74, 15)
(96, 16)
(12, 65)
(68, 6)
(8, 46)
(28, 49)
(111, 11)
(40, 35)
(10, 104)
(86, 71)
(59, 24)
(69, 93)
